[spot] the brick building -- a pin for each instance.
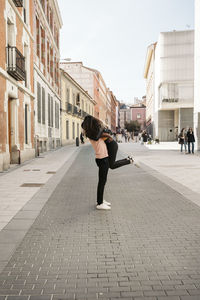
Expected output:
(114, 106)
(16, 82)
(47, 24)
(138, 113)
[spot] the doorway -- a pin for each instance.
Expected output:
(10, 129)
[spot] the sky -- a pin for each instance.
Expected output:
(112, 36)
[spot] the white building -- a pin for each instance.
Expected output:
(197, 75)
(47, 26)
(149, 74)
(174, 83)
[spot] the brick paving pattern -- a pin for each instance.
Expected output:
(146, 247)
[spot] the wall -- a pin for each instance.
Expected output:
(197, 76)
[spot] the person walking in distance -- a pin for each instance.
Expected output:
(183, 139)
(191, 140)
(105, 151)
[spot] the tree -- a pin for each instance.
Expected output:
(132, 126)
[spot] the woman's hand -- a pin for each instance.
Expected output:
(104, 134)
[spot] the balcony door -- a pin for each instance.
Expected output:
(11, 130)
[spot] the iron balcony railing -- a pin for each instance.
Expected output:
(18, 3)
(16, 63)
(79, 112)
(69, 108)
(83, 114)
(75, 110)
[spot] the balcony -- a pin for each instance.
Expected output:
(69, 108)
(16, 63)
(18, 3)
(83, 114)
(75, 110)
(79, 113)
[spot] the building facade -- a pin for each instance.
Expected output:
(47, 24)
(16, 82)
(138, 113)
(114, 106)
(174, 84)
(197, 75)
(125, 115)
(149, 73)
(92, 81)
(76, 103)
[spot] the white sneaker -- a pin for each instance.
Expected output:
(107, 203)
(103, 206)
(131, 159)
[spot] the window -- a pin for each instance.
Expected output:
(39, 102)
(48, 57)
(10, 33)
(78, 99)
(49, 110)
(51, 62)
(67, 129)
(67, 95)
(26, 123)
(73, 130)
(77, 130)
(43, 46)
(138, 116)
(38, 36)
(43, 106)
(73, 99)
(56, 115)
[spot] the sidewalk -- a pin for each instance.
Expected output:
(147, 247)
(166, 162)
(19, 185)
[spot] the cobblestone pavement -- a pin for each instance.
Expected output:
(146, 247)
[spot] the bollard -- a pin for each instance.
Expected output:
(77, 141)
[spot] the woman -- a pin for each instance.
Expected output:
(105, 151)
(144, 136)
(183, 139)
(191, 140)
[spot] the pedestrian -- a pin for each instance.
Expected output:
(82, 138)
(105, 151)
(126, 137)
(136, 136)
(191, 140)
(183, 139)
(144, 136)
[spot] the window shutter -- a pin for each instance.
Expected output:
(43, 106)
(39, 102)
(49, 110)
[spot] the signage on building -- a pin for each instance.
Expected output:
(170, 100)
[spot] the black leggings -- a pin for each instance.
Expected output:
(103, 165)
(112, 148)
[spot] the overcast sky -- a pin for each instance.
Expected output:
(112, 36)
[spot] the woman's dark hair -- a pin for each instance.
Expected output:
(92, 127)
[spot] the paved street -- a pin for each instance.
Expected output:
(146, 247)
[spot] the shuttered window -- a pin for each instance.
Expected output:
(26, 124)
(39, 102)
(73, 130)
(43, 106)
(67, 129)
(49, 110)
